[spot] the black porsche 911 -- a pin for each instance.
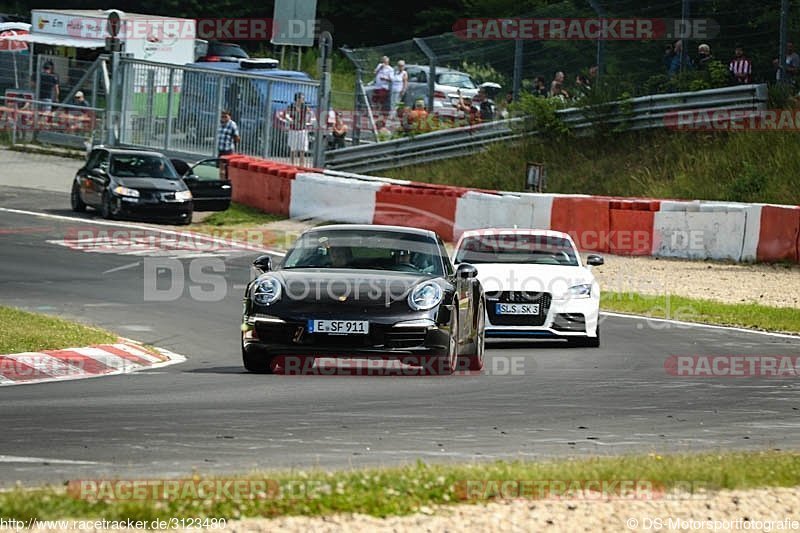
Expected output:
(360, 291)
(141, 184)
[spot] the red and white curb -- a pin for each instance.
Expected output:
(80, 363)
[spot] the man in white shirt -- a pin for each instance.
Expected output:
(383, 82)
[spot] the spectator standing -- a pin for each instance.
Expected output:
(679, 57)
(298, 116)
(383, 83)
(704, 57)
(557, 86)
(669, 53)
(399, 85)
(740, 67)
(540, 87)
(582, 86)
(791, 66)
(49, 87)
(339, 132)
(227, 134)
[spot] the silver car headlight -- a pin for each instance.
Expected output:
(119, 190)
(267, 291)
(183, 196)
(425, 296)
(580, 291)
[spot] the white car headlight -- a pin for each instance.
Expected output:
(183, 196)
(580, 291)
(119, 190)
(425, 296)
(267, 291)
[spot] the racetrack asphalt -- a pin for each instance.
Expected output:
(208, 415)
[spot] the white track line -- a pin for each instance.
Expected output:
(708, 326)
(200, 236)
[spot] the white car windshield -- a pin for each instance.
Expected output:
(456, 79)
(517, 248)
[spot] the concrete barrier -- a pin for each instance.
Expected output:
(324, 197)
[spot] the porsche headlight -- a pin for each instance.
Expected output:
(119, 190)
(580, 291)
(183, 196)
(267, 291)
(425, 296)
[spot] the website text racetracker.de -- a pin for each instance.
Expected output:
(12, 524)
(584, 29)
(223, 29)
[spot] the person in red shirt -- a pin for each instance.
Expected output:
(740, 67)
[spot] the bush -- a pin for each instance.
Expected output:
(541, 113)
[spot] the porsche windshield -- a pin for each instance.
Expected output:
(142, 166)
(521, 248)
(373, 250)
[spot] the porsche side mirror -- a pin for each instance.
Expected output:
(594, 260)
(263, 263)
(466, 271)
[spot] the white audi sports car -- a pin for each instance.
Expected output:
(535, 284)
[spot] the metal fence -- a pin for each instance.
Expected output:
(637, 113)
(26, 120)
(634, 67)
(176, 109)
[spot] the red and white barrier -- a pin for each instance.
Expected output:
(626, 226)
(320, 197)
(81, 363)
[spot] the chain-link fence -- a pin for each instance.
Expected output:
(662, 54)
(52, 100)
(177, 109)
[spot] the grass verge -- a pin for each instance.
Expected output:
(238, 214)
(736, 166)
(746, 315)
(242, 223)
(31, 332)
(406, 490)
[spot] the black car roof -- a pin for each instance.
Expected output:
(127, 151)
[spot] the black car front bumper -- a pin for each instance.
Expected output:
(387, 338)
(153, 209)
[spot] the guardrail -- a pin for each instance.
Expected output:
(644, 112)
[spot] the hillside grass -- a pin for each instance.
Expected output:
(736, 166)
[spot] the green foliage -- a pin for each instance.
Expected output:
(541, 114)
(748, 185)
(483, 73)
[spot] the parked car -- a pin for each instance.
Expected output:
(449, 83)
(216, 51)
(208, 181)
(138, 184)
(536, 284)
(364, 291)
